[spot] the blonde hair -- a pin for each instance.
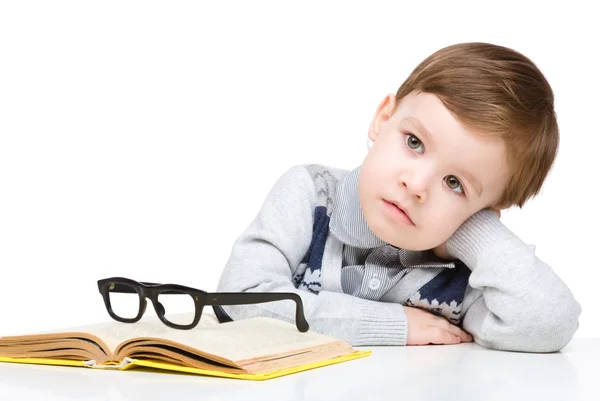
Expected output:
(499, 92)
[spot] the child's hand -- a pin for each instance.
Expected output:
(426, 328)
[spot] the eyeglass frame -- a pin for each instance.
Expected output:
(201, 299)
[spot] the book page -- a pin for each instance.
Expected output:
(113, 333)
(247, 339)
(239, 340)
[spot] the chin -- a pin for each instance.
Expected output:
(412, 247)
(406, 243)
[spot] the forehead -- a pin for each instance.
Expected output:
(452, 145)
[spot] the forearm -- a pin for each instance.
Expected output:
(524, 305)
(257, 266)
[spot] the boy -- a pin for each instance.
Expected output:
(408, 248)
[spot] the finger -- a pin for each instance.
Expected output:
(466, 338)
(457, 331)
(445, 337)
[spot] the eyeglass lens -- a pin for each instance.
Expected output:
(124, 304)
(177, 307)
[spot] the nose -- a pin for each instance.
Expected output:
(416, 186)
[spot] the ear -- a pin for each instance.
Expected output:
(383, 113)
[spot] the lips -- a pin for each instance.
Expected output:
(399, 206)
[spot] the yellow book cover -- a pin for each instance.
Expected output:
(252, 349)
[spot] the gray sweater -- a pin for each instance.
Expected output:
(310, 237)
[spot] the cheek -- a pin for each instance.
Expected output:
(365, 184)
(369, 175)
(443, 223)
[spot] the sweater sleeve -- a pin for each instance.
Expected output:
(265, 256)
(522, 305)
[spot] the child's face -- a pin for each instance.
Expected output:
(432, 178)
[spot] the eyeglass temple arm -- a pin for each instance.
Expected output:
(241, 298)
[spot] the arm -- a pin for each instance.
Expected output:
(522, 304)
(265, 256)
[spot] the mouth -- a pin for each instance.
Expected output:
(402, 212)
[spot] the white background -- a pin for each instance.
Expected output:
(139, 139)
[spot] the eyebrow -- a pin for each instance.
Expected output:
(424, 133)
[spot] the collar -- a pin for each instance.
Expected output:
(348, 225)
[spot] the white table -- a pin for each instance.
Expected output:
(454, 372)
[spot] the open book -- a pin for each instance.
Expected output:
(258, 348)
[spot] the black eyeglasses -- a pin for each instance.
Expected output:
(130, 309)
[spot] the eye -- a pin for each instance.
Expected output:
(453, 183)
(413, 143)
